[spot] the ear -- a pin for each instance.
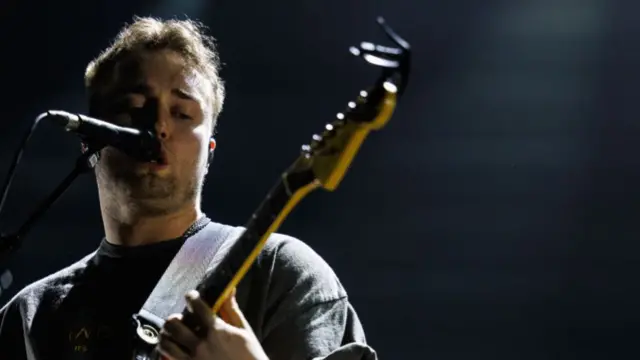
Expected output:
(212, 147)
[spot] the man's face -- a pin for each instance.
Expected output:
(168, 93)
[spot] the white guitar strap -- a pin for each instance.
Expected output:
(196, 257)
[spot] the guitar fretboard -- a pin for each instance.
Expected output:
(258, 229)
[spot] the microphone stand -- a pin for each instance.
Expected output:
(11, 242)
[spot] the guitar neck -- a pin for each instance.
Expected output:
(281, 199)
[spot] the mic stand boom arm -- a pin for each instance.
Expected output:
(9, 243)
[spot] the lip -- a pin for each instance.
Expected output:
(162, 162)
(157, 166)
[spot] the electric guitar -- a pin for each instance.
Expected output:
(321, 164)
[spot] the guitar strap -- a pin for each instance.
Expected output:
(194, 260)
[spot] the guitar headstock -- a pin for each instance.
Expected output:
(331, 152)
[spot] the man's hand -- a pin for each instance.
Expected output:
(227, 338)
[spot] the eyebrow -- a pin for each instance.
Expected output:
(183, 94)
(144, 89)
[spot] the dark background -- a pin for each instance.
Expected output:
(494, 218)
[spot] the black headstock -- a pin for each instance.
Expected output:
(331, 152)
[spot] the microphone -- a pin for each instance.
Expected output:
(140, 144)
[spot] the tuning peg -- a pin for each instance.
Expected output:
(340, 119)
(316, 141)
(305, 149)
(329, 131)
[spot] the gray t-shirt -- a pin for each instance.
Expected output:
(291, 297)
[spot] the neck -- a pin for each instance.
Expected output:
(138, 229)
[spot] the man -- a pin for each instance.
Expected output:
(289, 306)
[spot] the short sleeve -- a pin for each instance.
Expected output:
(309, 313)
(12, 342)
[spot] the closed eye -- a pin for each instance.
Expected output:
(180, 114)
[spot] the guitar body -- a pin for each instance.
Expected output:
(321, 164)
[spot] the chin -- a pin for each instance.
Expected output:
(147, 194)
(156, 207)
(152, 186)
(160, 198)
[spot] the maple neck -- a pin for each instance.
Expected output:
(267, 218)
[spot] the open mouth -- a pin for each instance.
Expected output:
(159, 162)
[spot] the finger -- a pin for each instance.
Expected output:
(232, 313)
(223, 329)
(222, 312)
(199, 308)
(180, 333)
(171, 350)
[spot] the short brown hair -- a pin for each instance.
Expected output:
(186, 37)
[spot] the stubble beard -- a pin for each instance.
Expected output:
(147, 194)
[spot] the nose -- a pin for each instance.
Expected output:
(163, 123)
(153, 115)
